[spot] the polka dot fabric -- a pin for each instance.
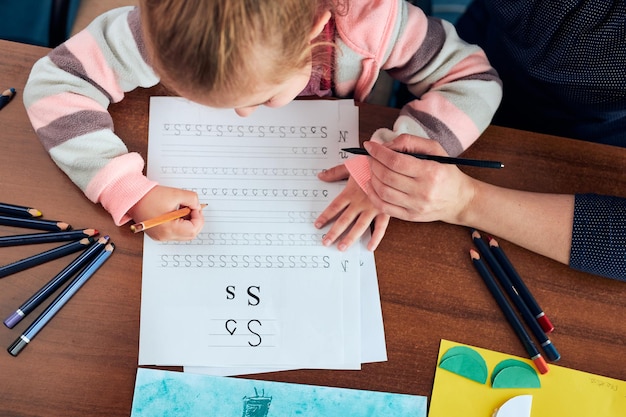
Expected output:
(599, 235)
(562, 64)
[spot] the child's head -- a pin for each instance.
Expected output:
(233, 53)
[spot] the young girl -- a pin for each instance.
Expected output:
(241, 54)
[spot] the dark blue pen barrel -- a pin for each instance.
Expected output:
(55, 283)
(60, 300)
(551, 353)
(505, 307)
(529, 318)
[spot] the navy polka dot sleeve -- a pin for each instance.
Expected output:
(599, 235)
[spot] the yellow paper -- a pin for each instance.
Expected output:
(563, 392)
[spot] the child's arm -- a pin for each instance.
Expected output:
(457, 90)
(67, 96)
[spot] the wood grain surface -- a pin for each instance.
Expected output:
(83, 363)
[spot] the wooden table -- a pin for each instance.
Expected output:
(84, 361)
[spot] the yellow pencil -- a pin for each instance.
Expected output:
(177, 214)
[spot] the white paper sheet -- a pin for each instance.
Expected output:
(373, 345)
(256, 288)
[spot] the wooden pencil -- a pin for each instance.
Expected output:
(38, 224)
(46, 256)
(19, 211)
(164, 218)
(55, 283)
(55, 306)
(508, 312)
(46, 237)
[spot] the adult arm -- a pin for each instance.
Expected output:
(588, 231)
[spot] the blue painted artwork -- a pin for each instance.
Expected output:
(176, 394)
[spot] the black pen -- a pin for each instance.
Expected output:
(6, 96)
(441, 159)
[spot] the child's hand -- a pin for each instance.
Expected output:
(161, 200)
(353, 212)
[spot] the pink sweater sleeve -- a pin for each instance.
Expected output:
(67, 96)
(456, 90)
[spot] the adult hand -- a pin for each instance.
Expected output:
(414, 189)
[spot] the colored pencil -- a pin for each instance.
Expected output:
(38, 224)
(48, 237)
(19, 211)
(55, 283)
(550, 351)
(520, 286)
(46, 256)
(167, 217)
(6, 96)
(508, 312)
(62, 299)
(441, 159)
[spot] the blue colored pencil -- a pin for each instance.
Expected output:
(56, 305)
(46, 256)
(6, 96)
(39, 224)
(19, 211)
(46, 237)
(508, 312)
(551, 353)
(55, 283)
(521, 287)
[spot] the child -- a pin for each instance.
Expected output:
(241, 54)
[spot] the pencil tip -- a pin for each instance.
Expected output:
(474, 254)
(492, 241)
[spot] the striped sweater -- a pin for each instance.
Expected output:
(69, 90)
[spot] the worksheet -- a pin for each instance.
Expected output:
(373, 345)
(256, 287)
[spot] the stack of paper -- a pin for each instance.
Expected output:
(256, 290)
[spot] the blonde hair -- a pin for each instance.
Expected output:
(209, 47)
